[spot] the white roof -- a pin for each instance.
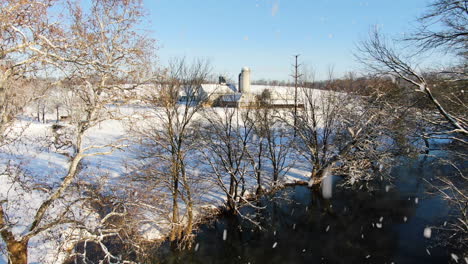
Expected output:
(218, 88)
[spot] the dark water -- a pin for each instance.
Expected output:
(355, 226)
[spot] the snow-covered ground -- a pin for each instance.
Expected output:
(41, 164)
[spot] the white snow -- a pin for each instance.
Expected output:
(274, 245)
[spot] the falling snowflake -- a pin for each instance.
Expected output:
(274, 245)
(224, 234)
(327, 185)
(454, 257)
(427, 232)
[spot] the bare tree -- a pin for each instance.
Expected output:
(169, 141)
(256, 152)
(29, 41)
(342, 133)
(41, 110)
(274, 134)
(452, 17)
(26, 36)
(56, 102)
(381, 58)
(227, 136)
(443, 113)
(454, 231)
(102, 46)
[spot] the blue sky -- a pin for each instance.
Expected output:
(265, 34)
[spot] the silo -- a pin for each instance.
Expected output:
(245, 80)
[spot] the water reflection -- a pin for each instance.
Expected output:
(299, 226)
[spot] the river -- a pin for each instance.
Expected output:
(393, 223)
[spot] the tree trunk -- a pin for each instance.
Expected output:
(428, 146)
(259, 191)
(17, 252)
(189, 227)
(259, 172)
(188, 200)
(230, 198)
(316, 175)
(175, 230)
(275, 177)
(259, 184)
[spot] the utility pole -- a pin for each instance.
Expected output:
(296, 77)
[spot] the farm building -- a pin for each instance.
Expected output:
(246, 94)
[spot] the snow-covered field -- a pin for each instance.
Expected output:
(40, 164)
